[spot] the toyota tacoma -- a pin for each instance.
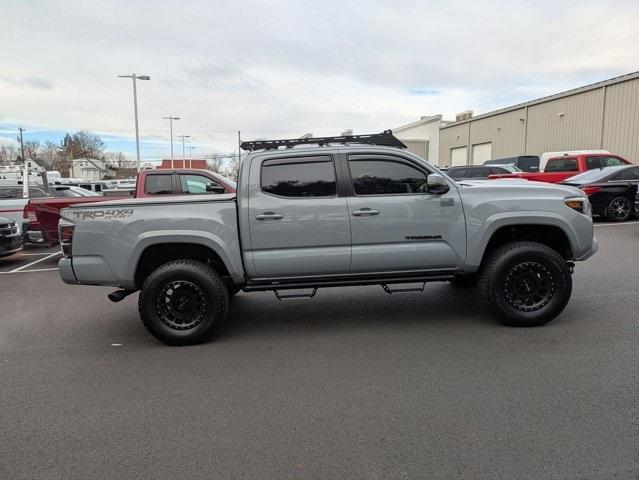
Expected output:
(331, 212)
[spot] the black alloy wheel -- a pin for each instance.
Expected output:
(529, 286)
(619, 209)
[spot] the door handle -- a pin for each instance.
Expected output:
(269, 216)
(365, 212)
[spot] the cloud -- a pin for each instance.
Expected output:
(284, 68)
(35, 83)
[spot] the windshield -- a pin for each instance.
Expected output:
(593, 175)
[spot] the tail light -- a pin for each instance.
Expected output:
(590, 190)
(29, 213)
(65, 232)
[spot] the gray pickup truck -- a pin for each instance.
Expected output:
(347, 211)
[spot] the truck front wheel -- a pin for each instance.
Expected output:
(526, 284)
(182, 302)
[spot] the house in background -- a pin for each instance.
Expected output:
(422, 137)
(91, 169)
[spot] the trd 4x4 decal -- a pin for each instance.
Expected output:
(105, 214)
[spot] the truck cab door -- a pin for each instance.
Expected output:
(298, 225)
(397, 224)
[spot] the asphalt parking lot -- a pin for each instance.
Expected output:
(352, 384)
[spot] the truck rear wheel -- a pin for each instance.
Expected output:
(526, 284)
(182, 302)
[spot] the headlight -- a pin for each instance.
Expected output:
(581, 204)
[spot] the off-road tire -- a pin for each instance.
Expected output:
(198, 286)
(619, 209)
(508, 274)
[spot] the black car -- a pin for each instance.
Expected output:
(10, 237)
(612, 191)
(472, 172)
(526, 163)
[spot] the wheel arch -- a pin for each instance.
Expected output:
(546, 228)
(156, 248)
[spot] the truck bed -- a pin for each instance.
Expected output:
(116, 234)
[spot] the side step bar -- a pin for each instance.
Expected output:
(390, 291)
(346, 282)
(294, 295)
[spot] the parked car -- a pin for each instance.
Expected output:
(612, 191)
(96, 187)
(10, 237)
(559, 169)
(71, 191)
(11, 202)
(478, 172)
(525, 163)
(544, 157)
(328, 216)
(42, 215)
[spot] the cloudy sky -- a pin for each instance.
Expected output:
(284, 68)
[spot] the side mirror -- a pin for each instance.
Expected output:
(215, 189)
(437, 184)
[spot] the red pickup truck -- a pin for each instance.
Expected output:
(559, 169)
(42, 214)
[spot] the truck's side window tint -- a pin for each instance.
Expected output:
(158, 184)
(36, 193)
(610, 162)
(315, 178)
(629, 174)
(562, 165)
(199, 185)
(383, 177)
(459, 172)
(9, 193)
(592, 163)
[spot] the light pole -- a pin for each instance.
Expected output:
(170, 118)
(191, 147)
(135, 77)
(183, 149)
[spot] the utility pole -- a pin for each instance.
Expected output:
(191, 147)
(25, 170)
(22, 146)
(135, 77)
(170, 118)
(239, 148)
(183, 149)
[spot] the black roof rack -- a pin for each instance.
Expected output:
(385, 138)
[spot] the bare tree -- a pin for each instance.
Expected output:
(31, 149)
(215, 163)
(234, 167)
(8, 153)
(83, 144)
(48, 153)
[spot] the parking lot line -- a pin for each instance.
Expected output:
(30, 271)
(634, 222)
(33, 263)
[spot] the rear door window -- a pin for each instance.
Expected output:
(161, 184)
(567, 164)
(295, 178)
